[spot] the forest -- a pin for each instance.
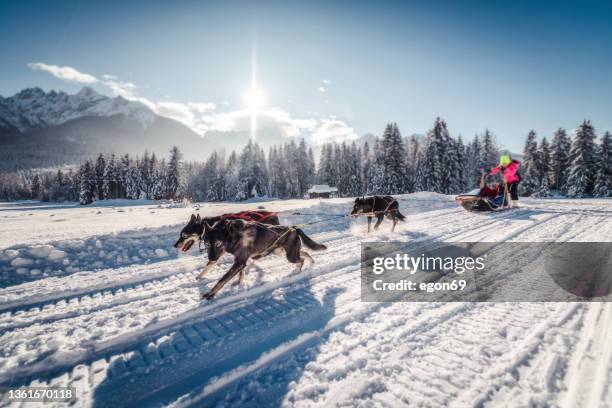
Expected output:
(577, 166)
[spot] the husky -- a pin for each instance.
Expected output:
(194, 230)
(378, 206)
(250, 240)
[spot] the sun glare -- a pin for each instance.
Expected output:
(254, 97)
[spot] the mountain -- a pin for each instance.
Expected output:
(39, 129)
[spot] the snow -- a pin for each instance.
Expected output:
(97, 298)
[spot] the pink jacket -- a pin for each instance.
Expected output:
(510, 173)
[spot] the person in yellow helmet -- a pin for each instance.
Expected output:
(509, 169)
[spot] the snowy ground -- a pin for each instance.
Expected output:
(96, 298)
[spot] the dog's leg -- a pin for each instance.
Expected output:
(394, 223)
(369, 222)
(240, 278)
(380, 219)
(307, 257)
(236, 268)
(208, 267)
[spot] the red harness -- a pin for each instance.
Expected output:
(258, 216)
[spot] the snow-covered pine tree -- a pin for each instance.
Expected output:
(124, 175)
(99, 176)
(559, 159)
(366, 163)
(582, 162)
(355, 182)
(88, 186)
(530, 173)
(603, 176)
(252, 173)
(377, 170)
(133, 184)
(231, 178)
(544, 161)
(110, 182)
(394, 156)
(326, 164)
(543, 190)
(475, 167)
(36, 187)
(412, 152)
(174, 176)
(458, 166)
(489, 152)
(312, 168)
(344, 170)
(303, 169)
(435, 158)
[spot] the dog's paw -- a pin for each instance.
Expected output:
(208, 296)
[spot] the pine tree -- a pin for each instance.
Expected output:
(36, 187)
(559, 159)
(582, 162)
(366, 159)
(435, 158)
(530, 182)
(394, 155)
(543, 190)
(489, 152)
(377, 170)
(412, 153)
(88, 183)
(231, 183)
(603, 177)
(99, 176)
(174, 175)
(475, 167)
(252, 173)
(544, 161)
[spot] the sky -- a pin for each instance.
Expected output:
(333, 70)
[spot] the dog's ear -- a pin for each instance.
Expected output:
(198, 218)
(192, 219)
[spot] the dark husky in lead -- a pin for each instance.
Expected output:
(194, 230)
(378, 206)
(249, 240)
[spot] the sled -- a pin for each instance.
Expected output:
(473, 201)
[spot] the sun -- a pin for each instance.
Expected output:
(254, 97)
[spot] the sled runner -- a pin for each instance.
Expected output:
(491, 197)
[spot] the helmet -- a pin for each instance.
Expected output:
(504, 160)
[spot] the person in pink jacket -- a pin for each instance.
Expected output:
(509, 169)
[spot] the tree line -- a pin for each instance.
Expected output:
(393, 164)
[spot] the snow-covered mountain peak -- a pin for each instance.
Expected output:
(33, 108)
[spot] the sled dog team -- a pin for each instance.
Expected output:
(251, 235)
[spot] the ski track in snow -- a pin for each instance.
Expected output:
(102, 302)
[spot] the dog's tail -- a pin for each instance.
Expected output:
(400, 216)
(309, 242)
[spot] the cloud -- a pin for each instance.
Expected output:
(68, 74)
(203, 117)
(333, 130)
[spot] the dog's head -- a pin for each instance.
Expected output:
(215, 237)
(361, 206)
(190, 234)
